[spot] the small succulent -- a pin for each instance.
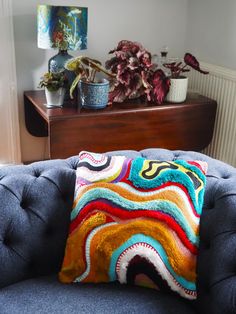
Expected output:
(135, 74)
(178, 68)
(53, 80)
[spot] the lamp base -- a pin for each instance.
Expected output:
(57, 64)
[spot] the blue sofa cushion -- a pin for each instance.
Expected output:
(45, 295)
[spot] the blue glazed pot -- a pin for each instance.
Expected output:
(94, 95)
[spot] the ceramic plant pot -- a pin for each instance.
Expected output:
(94, 95)
(55, 98)
(178, 90)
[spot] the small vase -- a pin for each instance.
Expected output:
(94, 95)
(178, 90)
(55, 98)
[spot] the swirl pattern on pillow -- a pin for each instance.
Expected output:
(135, 221)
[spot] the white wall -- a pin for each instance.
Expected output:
(211, 34)
(9, 121)
(154, 23)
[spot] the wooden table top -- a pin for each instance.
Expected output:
(39, 100)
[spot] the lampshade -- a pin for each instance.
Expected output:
(63, 27)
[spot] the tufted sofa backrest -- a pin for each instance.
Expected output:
(35, 205)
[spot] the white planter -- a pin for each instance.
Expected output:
(56, 98)
(178, 90)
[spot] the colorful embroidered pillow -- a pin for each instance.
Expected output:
(135, 221)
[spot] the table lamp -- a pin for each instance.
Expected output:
(63, 28)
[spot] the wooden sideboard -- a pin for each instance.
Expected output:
(131, 125)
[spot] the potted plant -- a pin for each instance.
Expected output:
(136, 75)
(55, 86)
(93, 92)
(178, 82)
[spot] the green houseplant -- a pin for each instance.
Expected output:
(93, 91)
(55, 85)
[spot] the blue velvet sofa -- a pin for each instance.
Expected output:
(35, 204)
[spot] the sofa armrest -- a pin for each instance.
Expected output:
(217, 252)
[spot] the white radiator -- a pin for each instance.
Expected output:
(220, 85)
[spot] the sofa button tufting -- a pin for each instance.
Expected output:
(37, 174)
(175, 157)
(73, 167)
(23, 204)
(225, 177)
(6, 241)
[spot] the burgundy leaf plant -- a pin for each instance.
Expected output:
(135, 74)
(178, 68)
